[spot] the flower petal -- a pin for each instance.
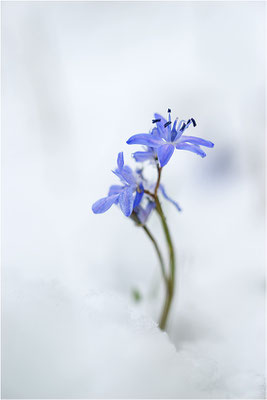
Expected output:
(162, 189)
(145, 138)
(143, 213)
(119, 175)
(174, 131)
(162, 119)
(196, 140)
(126, 201)
(141, 156)
(120, 160)
(160, 125)
(155, 133)
(181, 127)
(102, 205)
(191, 147)
(138, 197)
(164, 153)
(127, 174)
(115, 189)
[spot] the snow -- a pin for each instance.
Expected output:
(60, 344)
(74, 91)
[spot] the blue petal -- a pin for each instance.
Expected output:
(127, 174)
(162, 119)
(143, 155)
(143, 213)
(168, 198)
(174, 131)
(155, 133)
(181, 124)
(119, 175)
(191, 147)
(164, 153)
(120, 160)
(168, 128)
(160, 125)
(102, 205)
(138, 197)
(196, 140)
(115, 189)
(126, 201)
(145, 138)
(150, 206)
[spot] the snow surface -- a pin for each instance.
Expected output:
(61, 342)
(78, 79)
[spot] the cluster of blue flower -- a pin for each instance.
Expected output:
(135, 194)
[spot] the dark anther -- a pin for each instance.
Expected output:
(169, 110)
(194, 122)
(167, 123)
(188, 121)
(155, 120)
(182, 128)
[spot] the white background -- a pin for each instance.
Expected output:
(78, 80)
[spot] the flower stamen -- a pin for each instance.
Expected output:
(194, 122)
(167, 123)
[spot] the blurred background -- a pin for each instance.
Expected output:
(78, 79)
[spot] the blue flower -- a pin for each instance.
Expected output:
(143, 213)
(127, 196)
(167, 136)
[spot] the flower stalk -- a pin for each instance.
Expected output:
(171, 278)
(153, 240)
(170, 281)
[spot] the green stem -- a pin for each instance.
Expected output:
(153, 240)
(168, 280)
(171, 279)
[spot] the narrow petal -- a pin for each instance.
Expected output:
(119, 175)
(141, 156)
(162, 119)
(115, 189)
(164, 153)
(164, 126)
(160, 125)
(196, 140)
(191, 147)
(150, 206)
(145, 138)
(104, 204)
(126, 201)
(183, 125)
(155, 133)
(174, 131)
(138, 197)
(162, 189)
(144, 213)
(127, 174)
(120, 160)
(168, 128)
